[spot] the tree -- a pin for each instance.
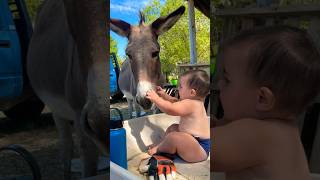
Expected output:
(114, 49)
(175, 43)
(113, 46)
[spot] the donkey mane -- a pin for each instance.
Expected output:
(142, 18)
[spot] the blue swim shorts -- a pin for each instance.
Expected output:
(204, 143)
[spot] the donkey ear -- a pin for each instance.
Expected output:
(120, 27)
(163, 24)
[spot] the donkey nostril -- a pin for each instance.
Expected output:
(148, 102)
(144, 103)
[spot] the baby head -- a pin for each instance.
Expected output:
(271, 72)
(194, 84)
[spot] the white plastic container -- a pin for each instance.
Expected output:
(119, 173)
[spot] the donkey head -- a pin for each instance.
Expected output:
(143, 50)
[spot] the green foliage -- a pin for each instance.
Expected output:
(175, 43)
(113, 47)
(152, 11)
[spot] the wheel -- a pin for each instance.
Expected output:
(29, 109)
(18, 163)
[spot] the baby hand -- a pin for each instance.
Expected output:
(152, 95)
(160, 91)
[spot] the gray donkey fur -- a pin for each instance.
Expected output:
(67, 69)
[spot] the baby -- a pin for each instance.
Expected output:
(269, 77)
(191, 138)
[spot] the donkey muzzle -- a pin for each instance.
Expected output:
(142, 88)
(144, 103)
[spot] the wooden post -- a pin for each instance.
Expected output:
(192, 33)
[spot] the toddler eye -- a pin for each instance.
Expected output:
(129, 56)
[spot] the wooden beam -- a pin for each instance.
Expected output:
(292, 10)
(194, 65)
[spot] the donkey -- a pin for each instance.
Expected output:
(142, 69)
(67, 68)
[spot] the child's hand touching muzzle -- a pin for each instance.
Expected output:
(152, 95)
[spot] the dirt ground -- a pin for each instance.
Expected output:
(40, 138)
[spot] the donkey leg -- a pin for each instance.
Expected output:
(130, 107)
(64, 128)
(137, 109)
(155, 110)
(88, 153)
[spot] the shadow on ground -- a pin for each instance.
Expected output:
(8, 126)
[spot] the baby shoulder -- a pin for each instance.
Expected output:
(187, 102)
(262, 130)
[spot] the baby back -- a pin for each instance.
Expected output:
(197, 122)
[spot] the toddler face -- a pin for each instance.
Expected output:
(237, 92)
(184, 90)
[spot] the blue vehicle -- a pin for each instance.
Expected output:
(115, 92)
(17, 99)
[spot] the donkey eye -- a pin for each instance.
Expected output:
(155, 54)
(129, 56)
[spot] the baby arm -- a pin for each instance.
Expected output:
(174, 109)
(165, 96)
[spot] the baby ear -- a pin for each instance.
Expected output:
(265, 99)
